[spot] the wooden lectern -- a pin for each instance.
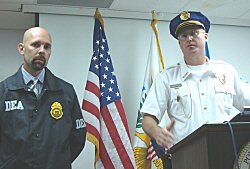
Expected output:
(210, 147)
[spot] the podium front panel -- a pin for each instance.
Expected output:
(210, 147)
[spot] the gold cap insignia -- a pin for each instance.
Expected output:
(223, 79)
(56, 110)
(185, 15)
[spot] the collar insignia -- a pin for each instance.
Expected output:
(56, 110)
(223, 79)
(184, 15)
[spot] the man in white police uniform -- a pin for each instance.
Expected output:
(194, 91)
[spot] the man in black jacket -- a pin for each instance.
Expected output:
(41, 124)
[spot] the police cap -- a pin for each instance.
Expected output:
(188, 18)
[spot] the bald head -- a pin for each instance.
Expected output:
(36, 49)
(33, 32)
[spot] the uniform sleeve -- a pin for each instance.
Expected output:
(157, 99)
(242, 89)
(78, 131)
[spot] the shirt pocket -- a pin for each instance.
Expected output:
(224, 97)
(181, 101)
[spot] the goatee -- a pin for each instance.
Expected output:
(38, 65)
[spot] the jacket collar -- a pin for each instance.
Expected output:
(51, 81)
(16, 82)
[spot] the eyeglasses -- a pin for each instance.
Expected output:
(193, 33)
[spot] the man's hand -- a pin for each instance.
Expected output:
(162, 136)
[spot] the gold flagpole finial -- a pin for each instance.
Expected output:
(153, 15)
(99, 17)
(96, 10)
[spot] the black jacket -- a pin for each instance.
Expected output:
(47, 132)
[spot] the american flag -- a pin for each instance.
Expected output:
(103, 110)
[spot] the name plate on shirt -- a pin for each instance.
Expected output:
(175, 85)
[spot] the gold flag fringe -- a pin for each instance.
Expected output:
(95, 141)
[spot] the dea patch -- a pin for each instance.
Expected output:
(13, 105)
(244, 157)
(56, 110)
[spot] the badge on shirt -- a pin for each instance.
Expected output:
(223, 79)
(56, 110)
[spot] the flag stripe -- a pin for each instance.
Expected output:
(92, 77)
(123, 117)
(89, 107)
(91, 129)
(112, 128)
(90, 86)
(109, 146)
(92, 120)
(90, 97)
(124, 134)
(106, 161)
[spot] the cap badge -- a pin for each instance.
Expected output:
(185, 15)
(56, 110)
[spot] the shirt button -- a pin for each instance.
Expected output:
(37, 135)
(200, 80)
(205, 108)
(207, 122)
(202, 94)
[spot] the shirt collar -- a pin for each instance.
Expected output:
(213, 69)
(185, 70)
(27, 77)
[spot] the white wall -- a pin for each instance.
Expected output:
(10, 59)
(129, 42)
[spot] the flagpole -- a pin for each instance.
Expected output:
(153, 23)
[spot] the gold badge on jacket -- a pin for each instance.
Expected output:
(223, 79)
(56, 110)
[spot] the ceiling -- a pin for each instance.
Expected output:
(19, 14)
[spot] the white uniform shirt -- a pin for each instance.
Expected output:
(194, 99)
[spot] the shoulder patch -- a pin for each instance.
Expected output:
(241, 77)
